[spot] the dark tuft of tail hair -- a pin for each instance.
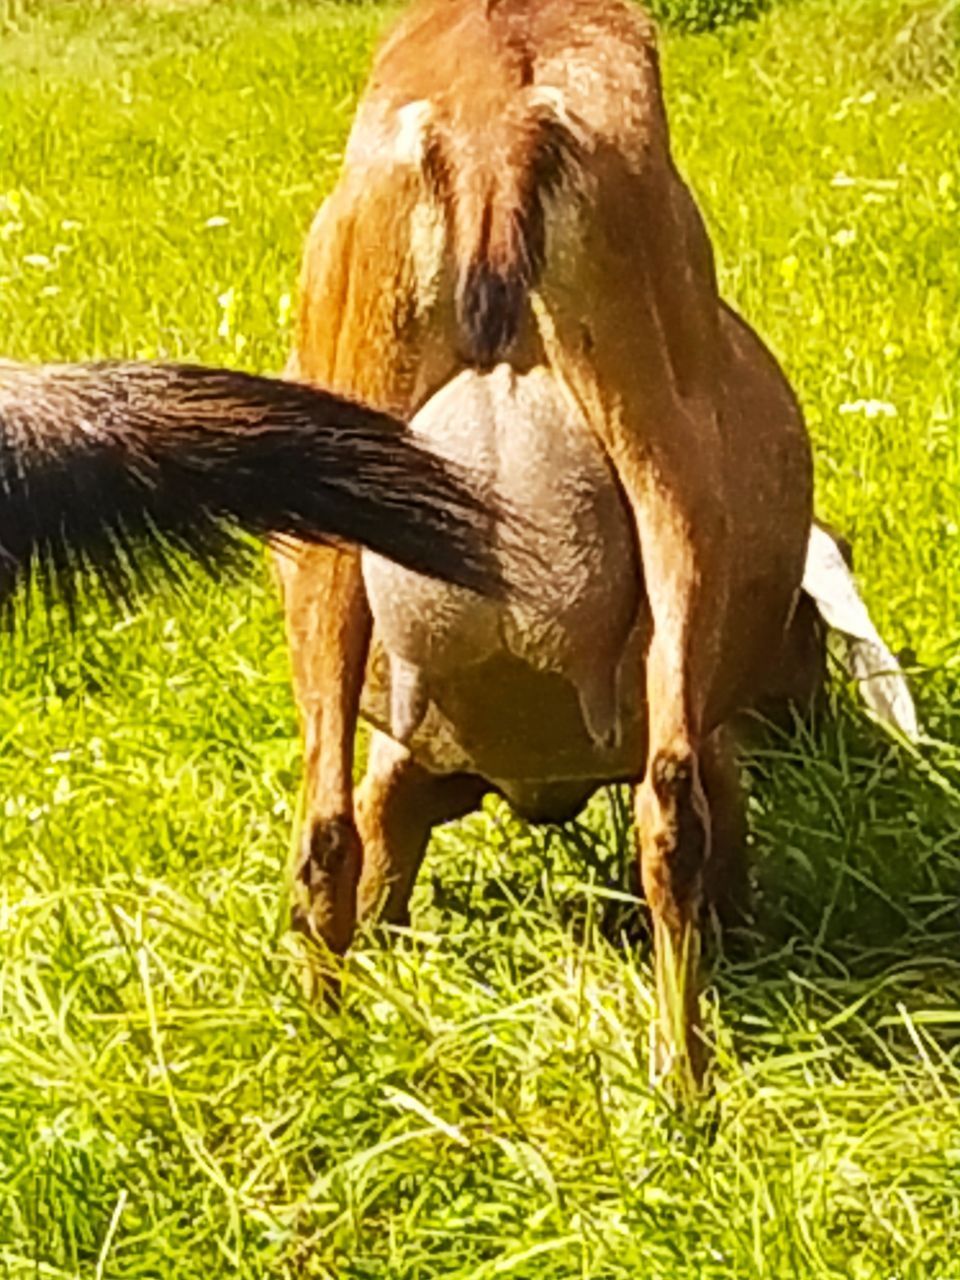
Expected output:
(490, 302)
(495, 192)
(117, 470)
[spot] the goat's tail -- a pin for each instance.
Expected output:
(494, 178)
(110, 468)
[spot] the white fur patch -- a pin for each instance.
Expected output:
(428, 232)
(428, 244)
(409, 136)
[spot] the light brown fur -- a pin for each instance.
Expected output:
(509, 195)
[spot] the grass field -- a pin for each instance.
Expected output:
(169, 1104)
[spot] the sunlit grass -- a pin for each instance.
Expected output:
(169, 1104)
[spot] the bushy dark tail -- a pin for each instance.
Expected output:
(113, 469)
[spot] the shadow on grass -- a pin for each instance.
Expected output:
(855, 869)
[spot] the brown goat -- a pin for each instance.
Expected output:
(511, 259)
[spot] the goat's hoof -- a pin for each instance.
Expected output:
(332, 845)
(324, 906)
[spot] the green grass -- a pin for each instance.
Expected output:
(169, 1105)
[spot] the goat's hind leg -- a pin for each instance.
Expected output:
(328, 629)
(397, 806)
(726, 885)
(685, 582)
(692, 837)
(674, 836)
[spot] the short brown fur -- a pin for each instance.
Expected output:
(564, 240)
